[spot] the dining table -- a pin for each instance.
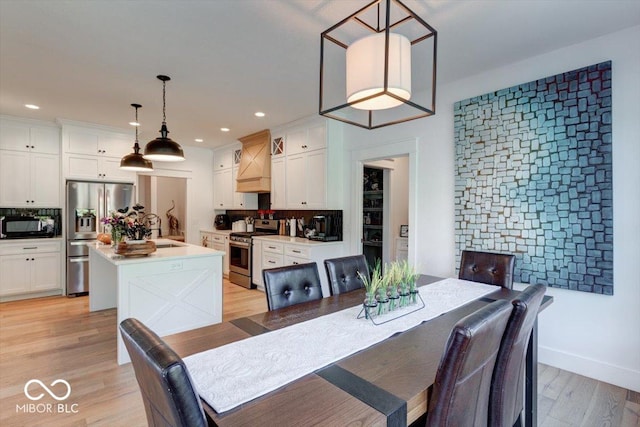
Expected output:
(388, 383)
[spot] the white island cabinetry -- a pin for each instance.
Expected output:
(280, 251)
(175, 289)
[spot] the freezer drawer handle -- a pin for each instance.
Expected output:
(81, 259)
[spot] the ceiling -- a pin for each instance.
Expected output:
(227, 59)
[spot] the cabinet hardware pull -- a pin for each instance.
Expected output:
(295, 251)
(271, 262)
(31, 247)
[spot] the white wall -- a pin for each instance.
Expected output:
(594, 335)
(200, 193)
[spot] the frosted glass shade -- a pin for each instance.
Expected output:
(365, 71)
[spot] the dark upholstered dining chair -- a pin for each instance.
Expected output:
(461, 389)
(506, 401)
(343, 273)
(486, 267)
(167, 389)
(291, 285)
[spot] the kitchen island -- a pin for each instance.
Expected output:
(175, 289)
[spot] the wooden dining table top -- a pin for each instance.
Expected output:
(385, 384)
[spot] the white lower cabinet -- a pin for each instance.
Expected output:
(272, 255)
(280, 251)
(220, 242)
(30, 268)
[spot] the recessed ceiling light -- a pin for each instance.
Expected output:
(134, 123)
(32, 106)
(199, 140)
(259, 114)
(224, 129)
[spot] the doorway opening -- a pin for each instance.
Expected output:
(385, 209)
(167, 198)
(398, 162)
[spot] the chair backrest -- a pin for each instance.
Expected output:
(167, 389)
(487, 267)
(461, 389)
(343, 273)
(506, 402)
(291, 285)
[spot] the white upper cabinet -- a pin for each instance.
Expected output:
(225, 196)
(299, 172)
(29, 164)
(223, 159)
(93, 152)
(222, 189)
(98, 143)
(19, 136)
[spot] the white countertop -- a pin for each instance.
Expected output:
(179, 250)
(296, 240)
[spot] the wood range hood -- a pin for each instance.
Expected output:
(254, 172)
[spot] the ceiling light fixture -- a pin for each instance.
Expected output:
(225, 129)
(163, 149)
(134, 161)
(32, 106)
(199, 140)
(372, 65)
(259, 114)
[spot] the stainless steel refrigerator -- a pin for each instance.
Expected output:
(87, 204)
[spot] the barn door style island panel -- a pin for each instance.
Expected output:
(175, 289)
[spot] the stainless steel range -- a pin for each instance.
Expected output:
(240, 251)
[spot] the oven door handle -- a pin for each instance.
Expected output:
(239, 244)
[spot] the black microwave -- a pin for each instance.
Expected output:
(26, 227)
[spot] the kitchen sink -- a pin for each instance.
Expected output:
(167, 245)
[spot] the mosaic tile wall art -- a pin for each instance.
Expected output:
(534, 178)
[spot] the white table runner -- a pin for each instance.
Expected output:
(233, 374)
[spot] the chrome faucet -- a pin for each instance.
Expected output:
(151, 220)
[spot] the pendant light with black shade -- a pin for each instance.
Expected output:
(163, 149)
(134, 161)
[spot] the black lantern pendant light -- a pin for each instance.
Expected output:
(135, 161)
(163, 149)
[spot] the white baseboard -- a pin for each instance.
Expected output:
(616, 375)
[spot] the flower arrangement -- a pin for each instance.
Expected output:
(127, 223)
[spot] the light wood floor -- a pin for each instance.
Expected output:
(57, 338)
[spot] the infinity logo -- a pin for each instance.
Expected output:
(51, 393)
